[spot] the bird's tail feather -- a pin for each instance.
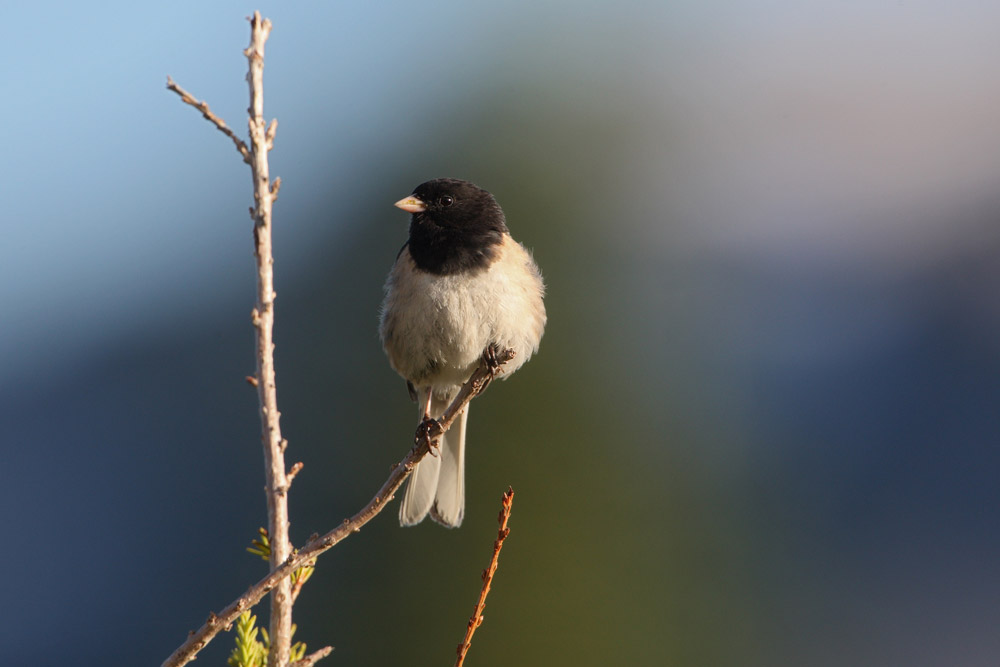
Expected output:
(437, 483)
(449, 502)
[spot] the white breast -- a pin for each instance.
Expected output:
(435, 328)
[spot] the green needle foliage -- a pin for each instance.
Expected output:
(262, 547)
(249, 651)
(297, 651)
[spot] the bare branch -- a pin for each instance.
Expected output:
(188, 98)
(277, 482)
(198, 639)
(477, 615)
(313, 658)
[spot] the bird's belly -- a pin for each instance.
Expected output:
(444, 331)
(435, 328)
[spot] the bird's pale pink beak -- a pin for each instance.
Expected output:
(411, 205)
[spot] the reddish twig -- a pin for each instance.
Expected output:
(304, 573)
(477, 615)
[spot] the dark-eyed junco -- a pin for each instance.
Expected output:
(460, 285)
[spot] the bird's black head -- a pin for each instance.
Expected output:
(456, 226)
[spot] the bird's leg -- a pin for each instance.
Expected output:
(427, 404)
(429, 428)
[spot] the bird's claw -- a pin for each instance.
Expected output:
(492, 362)
(427, 433)
(490, 358)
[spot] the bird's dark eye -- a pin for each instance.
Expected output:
(447, 201)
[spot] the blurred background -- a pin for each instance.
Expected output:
(761, 430)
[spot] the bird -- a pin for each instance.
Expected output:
(460, 286)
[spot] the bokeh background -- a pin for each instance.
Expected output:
(763, 425)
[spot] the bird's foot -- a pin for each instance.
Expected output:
(427, 434)
(493, 361)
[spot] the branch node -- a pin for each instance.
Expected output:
(272, 128)
(295, 469)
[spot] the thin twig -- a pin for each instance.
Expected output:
(477, 615)
(198, 639)
(294, 470)
(202, 106)
(300, 580)
(313, 657)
